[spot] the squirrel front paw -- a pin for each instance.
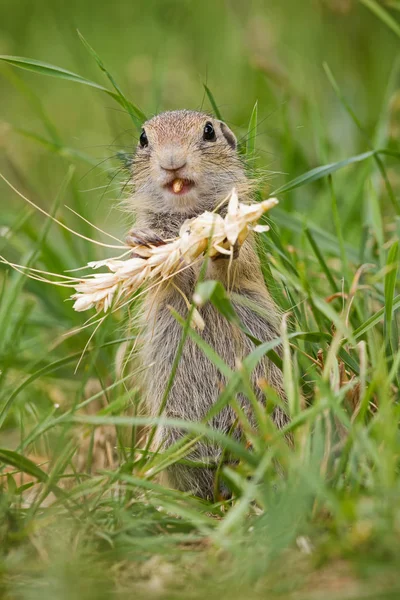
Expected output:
(143, 237)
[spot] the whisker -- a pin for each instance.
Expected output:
(98, 165)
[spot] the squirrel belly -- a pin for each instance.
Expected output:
(198, 382)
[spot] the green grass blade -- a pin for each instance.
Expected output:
(382, 130)
(338, 226)
(60, 149)
(39, 373)
(185, 331)
(191, 426)
(323, 171)
(375, 319)
(206, 348)
(288, 372)
(392, 265)
(137, 116)
(374, 222)
(19, 279)
(355, 119)
(321, 259)
(47, 369)
(35, 102)
(42, 68)
(239, 511)
(326, 240)
(214, 105)
(383, 15)
(22, 463)
(252, 133)
(215, 292)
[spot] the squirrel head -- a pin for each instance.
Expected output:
(185, 162)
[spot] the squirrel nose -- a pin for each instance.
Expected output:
(172, 162)
(173, 166)
(171, 169)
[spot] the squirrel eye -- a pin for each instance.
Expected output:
(143, 139)
(209, 133)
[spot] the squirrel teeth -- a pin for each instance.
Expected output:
(177, 185)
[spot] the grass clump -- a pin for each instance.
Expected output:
(82, 514)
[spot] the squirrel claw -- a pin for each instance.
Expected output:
(143, 237)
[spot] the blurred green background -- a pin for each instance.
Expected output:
(161, 53)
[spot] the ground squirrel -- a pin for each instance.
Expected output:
(187, 162)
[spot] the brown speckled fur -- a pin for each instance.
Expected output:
(215, 167)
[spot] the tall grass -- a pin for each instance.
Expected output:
(82, 512)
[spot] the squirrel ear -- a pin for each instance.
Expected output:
(228, 135)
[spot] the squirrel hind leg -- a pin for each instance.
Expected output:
(196, 481)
